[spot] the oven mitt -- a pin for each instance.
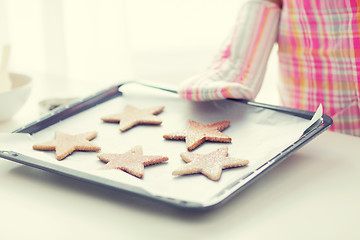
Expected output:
(239, 68)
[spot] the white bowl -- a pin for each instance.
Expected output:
(12, 101)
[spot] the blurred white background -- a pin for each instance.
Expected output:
(96, 43)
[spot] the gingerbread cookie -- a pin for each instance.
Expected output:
(64, 144)
(211, 164)
(132, 116)
(132, 162)
(197, 133)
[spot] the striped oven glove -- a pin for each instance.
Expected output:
(239, 68)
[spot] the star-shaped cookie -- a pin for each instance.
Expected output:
(132, 162)
(132, 116)
(211, 164)
(197, 133)
(64, 144)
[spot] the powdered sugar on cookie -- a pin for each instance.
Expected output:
(132, 162)
(211, 164)
(197, 133)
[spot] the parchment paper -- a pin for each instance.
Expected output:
(257, 135)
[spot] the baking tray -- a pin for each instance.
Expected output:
(264, 134)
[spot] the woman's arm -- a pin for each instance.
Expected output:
(239, 67)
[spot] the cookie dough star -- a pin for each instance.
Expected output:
(132, 116)
(132, 162)
(64, 144)
(210, 164)
(197, 133)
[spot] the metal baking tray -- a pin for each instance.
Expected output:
(263, 134)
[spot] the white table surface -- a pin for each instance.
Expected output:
(314, 194)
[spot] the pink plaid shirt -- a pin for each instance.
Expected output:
(319, 53)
